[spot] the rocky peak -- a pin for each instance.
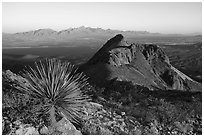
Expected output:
(107, 51)
(115, 42)
(151, 51)
(143, 64)
(117, 52)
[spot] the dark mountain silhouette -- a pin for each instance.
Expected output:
(144, 64)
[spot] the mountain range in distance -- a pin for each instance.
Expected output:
(86, 35)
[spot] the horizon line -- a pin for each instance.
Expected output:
(199, 33)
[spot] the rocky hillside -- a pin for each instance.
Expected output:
(144, 64)
(120, 109)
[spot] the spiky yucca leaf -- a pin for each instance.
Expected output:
(60, 85)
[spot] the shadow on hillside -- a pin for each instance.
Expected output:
(176, 95)
(169, 95)
(98, 74)
(101, 73)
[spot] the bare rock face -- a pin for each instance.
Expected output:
(67, 128)
(118, 52)
(63, 127)
(143, 64)
(104, 54)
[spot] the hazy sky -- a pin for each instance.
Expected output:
(152, 17)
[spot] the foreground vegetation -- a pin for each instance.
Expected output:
(118, 108)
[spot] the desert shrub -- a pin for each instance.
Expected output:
(59, 85)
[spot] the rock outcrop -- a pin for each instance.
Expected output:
(143, 64)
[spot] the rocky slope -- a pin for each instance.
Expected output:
(125, 110)
(144, 64)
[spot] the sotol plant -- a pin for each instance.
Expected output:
(60, 85)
